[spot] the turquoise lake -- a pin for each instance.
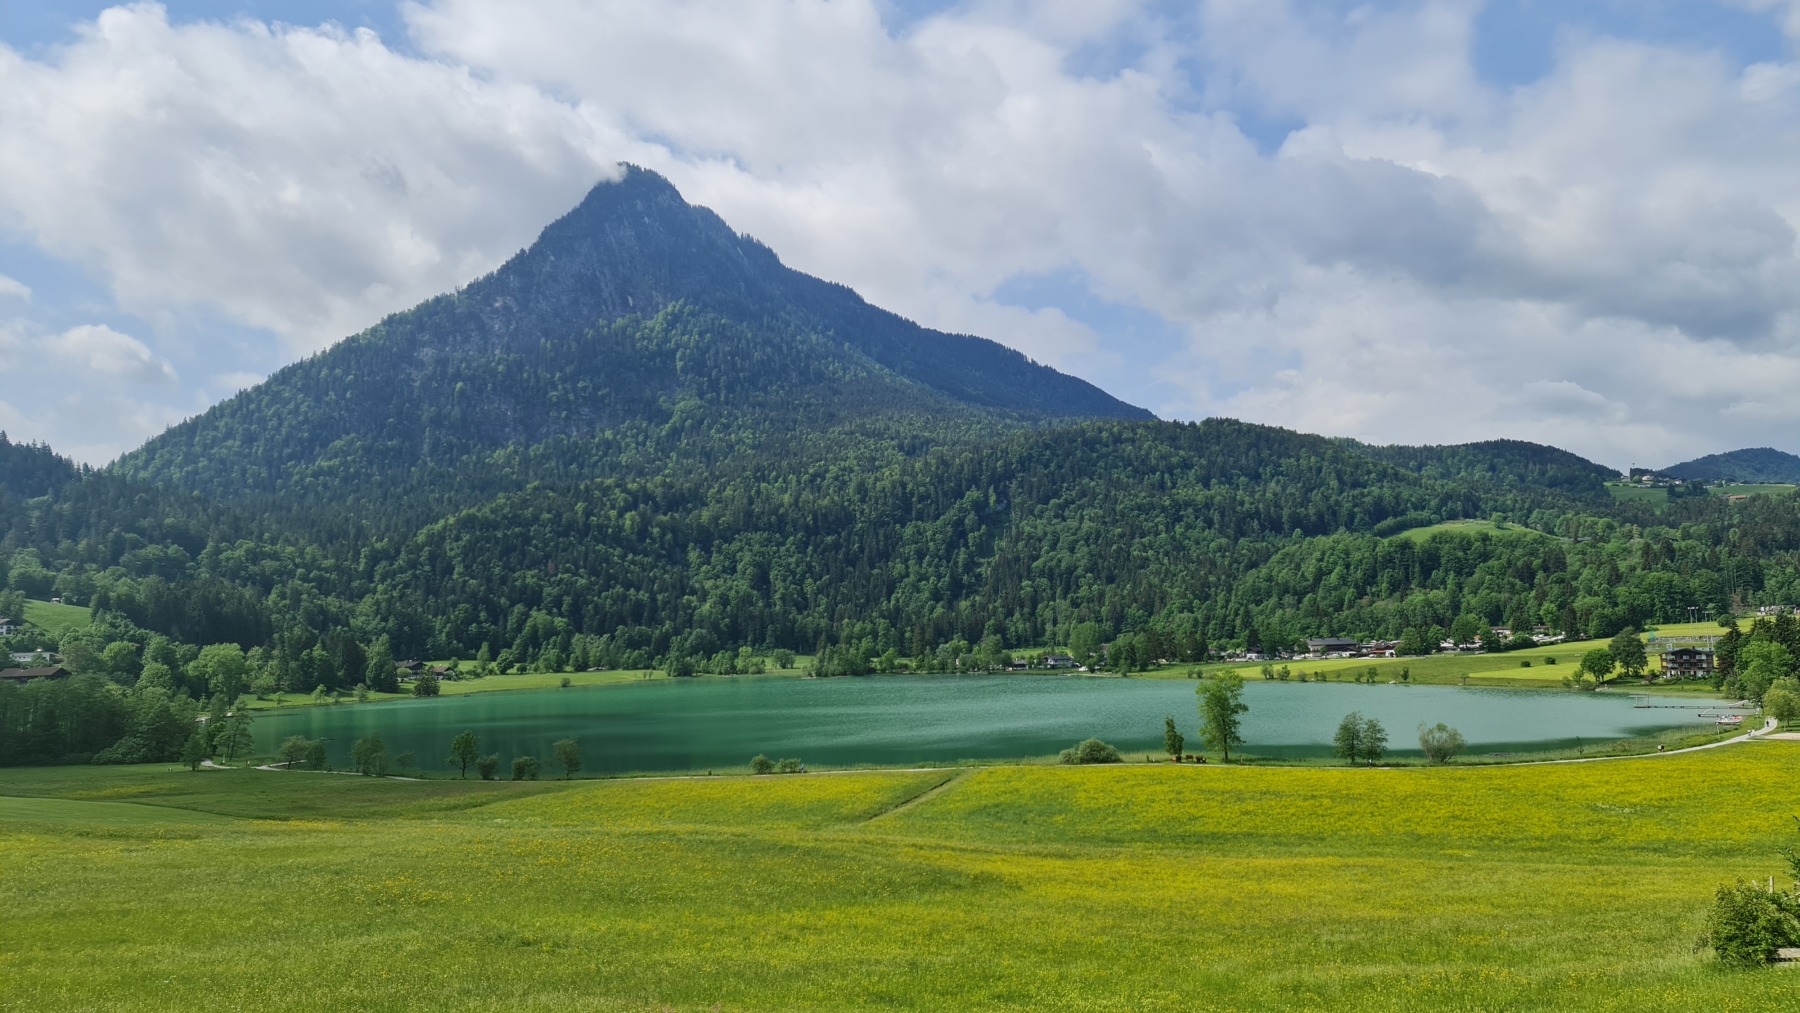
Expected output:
(696, 724)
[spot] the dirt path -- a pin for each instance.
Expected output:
(1757, 733)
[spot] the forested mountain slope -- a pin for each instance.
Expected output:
(638, 335)
(1760, 464)
(1510, 464)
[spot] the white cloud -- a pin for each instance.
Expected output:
(105, 351)
(300, 180)
(231, 383)
(13, 289)
(1426, 257)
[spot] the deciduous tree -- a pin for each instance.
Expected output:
(1221, 712)
(463, 753)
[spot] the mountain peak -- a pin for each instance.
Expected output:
(633, 303)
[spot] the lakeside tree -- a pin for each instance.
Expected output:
(488, 766)
(426, 685)
(464, 753)
(1598, 665)
(221, 668)
(1084, 642)
(1782, 701)
(566, 754)
(369, 756)
(381, 675)
(525, 768)
(196, 750)
(293, 750)
(1348, 742)
(1628, 653)
(1221, 712)
(760, 764)
(235, 737)
(1760, 665)
(1441, 742)
(1374, 741)
(315, 755)
(1172, 738)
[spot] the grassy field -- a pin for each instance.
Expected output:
(57, 619)
(1463, 527)
(1142, 887)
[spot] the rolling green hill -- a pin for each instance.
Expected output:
(1760, 465)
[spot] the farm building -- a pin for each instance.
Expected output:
(27, 674)
(1321, 646)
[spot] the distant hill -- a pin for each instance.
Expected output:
(1506, 464)
(1758, 464)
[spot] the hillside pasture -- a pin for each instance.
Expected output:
(55, 619)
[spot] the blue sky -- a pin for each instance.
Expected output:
(1406, 222)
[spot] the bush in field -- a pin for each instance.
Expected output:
(525, 768)
(1441, 742)
(789, 765)
(488, 766)
(315, 755)
(426, 686)
(1090, 751)
(760, 764)
(1748, 923)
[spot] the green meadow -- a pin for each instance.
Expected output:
(1134, 887)
(55, 619)
(1464, 527)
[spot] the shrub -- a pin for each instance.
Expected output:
(426, 686)
(1524, 662)
(789, 765)
(1441, 742)
(1549, 661)
(488, 766)
(760, 764)
(1090, 751)
(1747, 924)
(525, 768)
(567, 682)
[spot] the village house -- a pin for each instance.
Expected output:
(409, 669)
(21, 675)
(29, 659)
(1320, 647)
(1687, 663)
(1058, 661)
(8, 626)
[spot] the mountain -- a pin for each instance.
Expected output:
(637, 334)
(1759, 464)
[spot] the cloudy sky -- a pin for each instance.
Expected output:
(1405, 222)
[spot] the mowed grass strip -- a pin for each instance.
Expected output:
(1029, 888)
